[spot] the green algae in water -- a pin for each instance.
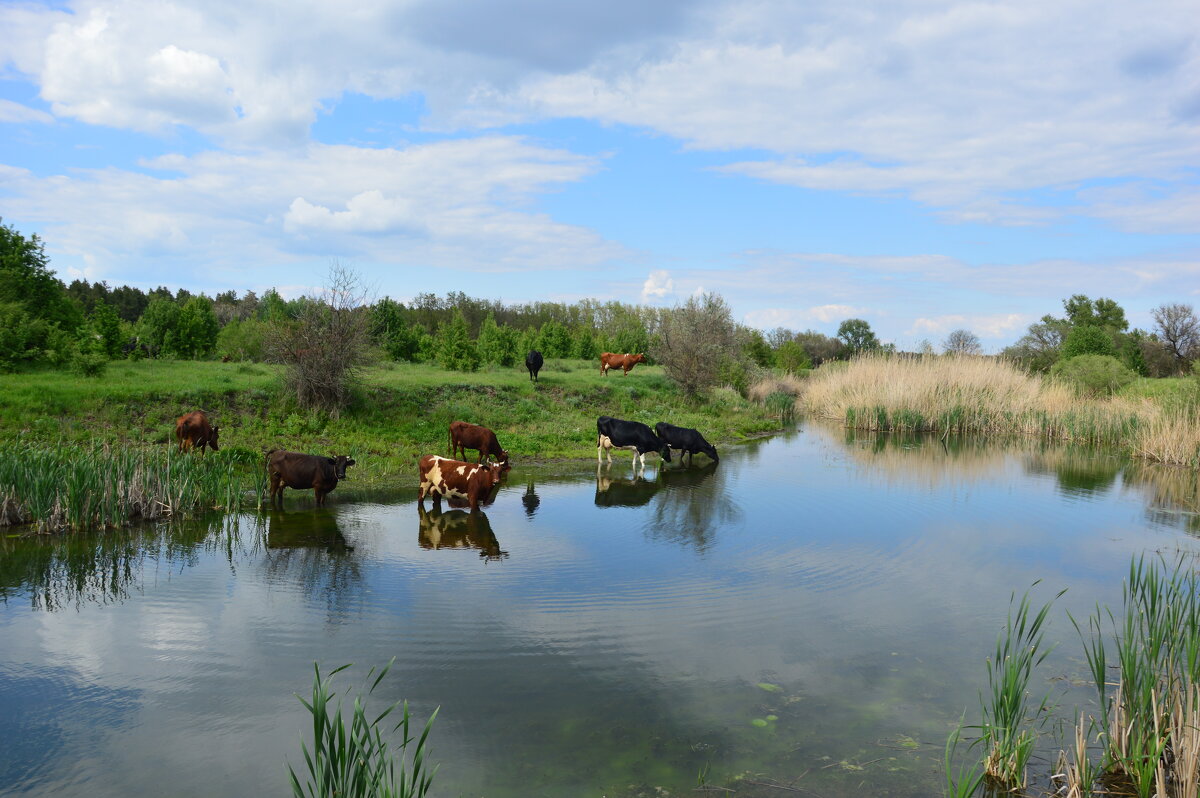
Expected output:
(759, 722)
(770, 688)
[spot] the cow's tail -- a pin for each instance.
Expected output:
(451, 433)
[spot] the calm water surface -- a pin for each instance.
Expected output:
(588, 634)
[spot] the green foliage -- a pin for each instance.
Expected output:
(356, 760)
(1094, 374)
(585, 346)
(554, 340)
(26, 279)
(757, 349)
(455, 351)
(497, 344)
(1132, 354)
(272, 307)
(89, 364)
(107, 324)
(392, 331)
(698, 346)
(1087, 340)
(1104, 313)
(158, 325)
(857, 335)
(21, 338)
(243, 340)
(792, 358)
(196, 335)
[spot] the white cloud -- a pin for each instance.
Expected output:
(658, 285)
(19, 114)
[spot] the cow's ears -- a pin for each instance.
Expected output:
(331, 460)
(350, 462)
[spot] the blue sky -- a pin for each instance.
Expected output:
(925, 166)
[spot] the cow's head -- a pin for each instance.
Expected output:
(665, 451)
(637, 359)
(503, 460)
(212, 438)
(340, 462)
(496, 471)
(711, 451)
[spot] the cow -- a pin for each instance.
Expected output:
(636, 492)
(608, 360)
(455, 529)
(472, 436)
(533, 362)
(613, 433)
(457, 481)
(193, 430)
(688, 441)
(304, 471)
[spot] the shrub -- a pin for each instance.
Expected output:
(1093, 374)
(90, 364)
(1087, 340)
(455, 350)
(792, 358)
(698, 345)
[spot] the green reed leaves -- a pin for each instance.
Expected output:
(356, 759)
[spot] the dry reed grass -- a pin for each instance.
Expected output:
(991, 396)
(788, 384)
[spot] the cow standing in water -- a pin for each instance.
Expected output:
(609, 360)
(687, 441)
(457, 481)
(533, 362)
(193, 430)
(615, 433)
(304, 471)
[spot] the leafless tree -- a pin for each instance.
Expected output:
(695, 340)
(1179, 329)
(962, 342)
(327, 345)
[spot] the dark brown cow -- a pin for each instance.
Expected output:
(193, 430)
(608, 360)
(457, 481)
(304, 471)
(472, 436)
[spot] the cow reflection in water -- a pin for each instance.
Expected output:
(530, 500)
(624, 492)
(458, 529)
(309, 549)
(692, 506)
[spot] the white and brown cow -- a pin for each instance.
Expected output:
(457, 481)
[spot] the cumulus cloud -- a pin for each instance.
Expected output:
(19, 114)
(453, 203)
(997, 325)
(658, 286)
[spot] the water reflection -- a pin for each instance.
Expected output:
(308, 549)
(693, 506)
(458, 529)
(635, 491)
(56, 572)
(530, 500)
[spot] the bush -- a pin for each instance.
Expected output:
(698, 347)
(1087, 340)
(1093, 374)
(89, 364)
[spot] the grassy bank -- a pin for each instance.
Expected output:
(400, 412)
(988, 396)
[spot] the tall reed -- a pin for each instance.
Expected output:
(73, 487)
(356, 759)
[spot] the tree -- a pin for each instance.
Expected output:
(107, 324)
(554, 340)
(697, 341)
(1084, 312)
(1093, 374)
(1038, 348)
(327, 345)
(1087, 340)
(496, 344)
(158, 326)
(962, 342)
(26, 278)
(856, 334)
(1179, 329)
(755, 346)
(791, 357)
(820, 348)
(585, 347)
(196, 335)
(455, 350)
(243, 340)
(1133, 355)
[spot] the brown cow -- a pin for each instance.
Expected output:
(456, 480)
(304, 471)
(472, 436)
(192, 429)
(608, 360)
(455, 529)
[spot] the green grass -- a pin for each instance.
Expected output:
(400, 412)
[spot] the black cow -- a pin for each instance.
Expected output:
(304, 471)
(688, 441)
(613, 433)
(533, 362)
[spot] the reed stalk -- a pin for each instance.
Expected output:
(356, 759)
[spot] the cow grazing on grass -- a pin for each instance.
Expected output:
(688, 441)
(533, 362)
(304, 471)
(472, 436)
(613, 433)
(608, 360)
(457, 481)
(193, 430)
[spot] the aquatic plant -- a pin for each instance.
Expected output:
(1006, 732)
(356, 760)
(66, 486)
(962, 780)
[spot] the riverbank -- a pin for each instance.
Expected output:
(1159, 422)
(400, 411)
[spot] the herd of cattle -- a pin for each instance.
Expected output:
(460, 482)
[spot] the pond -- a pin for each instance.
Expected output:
(813, 611)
